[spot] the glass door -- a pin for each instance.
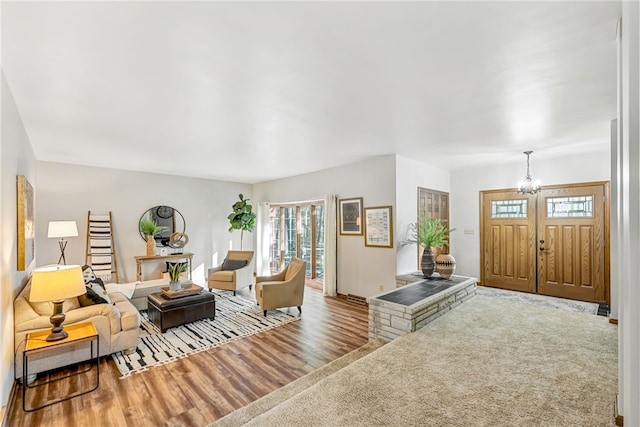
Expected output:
(297, 230)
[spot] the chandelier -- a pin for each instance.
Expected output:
(528, 186)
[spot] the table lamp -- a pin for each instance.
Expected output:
(62, 229)
(54, 284)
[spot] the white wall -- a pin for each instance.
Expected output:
(68, 192)
(410, 175)
(16, 158)
(361, 270)
(466, 186)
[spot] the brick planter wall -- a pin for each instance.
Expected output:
(389, 320)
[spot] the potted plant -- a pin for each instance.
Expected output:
(150, 229)
(175, 270)
(429, 233)
(242, 218)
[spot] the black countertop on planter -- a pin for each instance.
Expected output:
(409, 295)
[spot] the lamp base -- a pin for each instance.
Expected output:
(56, 336)
(56, 319)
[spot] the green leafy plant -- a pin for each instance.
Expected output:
(149, 227)
(429, 232)
(175, 270)
(242, 218)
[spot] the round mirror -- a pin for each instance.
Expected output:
(164, 216)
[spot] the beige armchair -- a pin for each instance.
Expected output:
(235, 272)
(285, 289)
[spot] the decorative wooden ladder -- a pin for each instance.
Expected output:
(101, 251)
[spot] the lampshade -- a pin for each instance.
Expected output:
(56, 283)
(62, 229)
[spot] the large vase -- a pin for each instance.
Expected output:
(151, 246)
(445, 265)
(428, 263)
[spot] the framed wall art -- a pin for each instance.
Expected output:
(378, 230)
(26, 223)
(350, 211)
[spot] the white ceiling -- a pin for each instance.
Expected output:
(253, 91)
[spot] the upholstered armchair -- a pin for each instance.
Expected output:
(235, 272)
(285, 289)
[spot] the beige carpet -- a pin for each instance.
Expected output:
(489, 362)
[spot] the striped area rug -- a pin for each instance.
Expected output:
(236, 317)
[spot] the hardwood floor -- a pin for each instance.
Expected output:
(201, 388)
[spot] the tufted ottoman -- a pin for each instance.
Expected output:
(168, 313)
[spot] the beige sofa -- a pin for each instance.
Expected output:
(117, 324)
(137, 292)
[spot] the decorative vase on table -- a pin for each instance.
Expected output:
(428, 262)
(445, 265)
(151, 246)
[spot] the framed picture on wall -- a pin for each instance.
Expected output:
(378, 229)
(26, 223)
(350, 211)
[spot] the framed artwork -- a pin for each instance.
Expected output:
(378, 230)
(350, 211)
(26, 223)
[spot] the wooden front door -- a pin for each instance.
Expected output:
(553, 243)
(572, 242)
(508, 240)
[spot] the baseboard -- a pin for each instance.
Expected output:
(616, 413)
(613, 321)
(8, 410)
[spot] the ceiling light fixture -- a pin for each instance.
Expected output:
(528, 186)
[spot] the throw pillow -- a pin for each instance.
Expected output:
(90, 277)
(101, 292)
(233, 264)
(90, 298)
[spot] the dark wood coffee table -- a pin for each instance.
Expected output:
(168, 313)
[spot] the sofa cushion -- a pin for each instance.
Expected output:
(46, 308)
(90, 298)
(233, 264)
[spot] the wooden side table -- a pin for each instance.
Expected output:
(79, 333)
(188, 256)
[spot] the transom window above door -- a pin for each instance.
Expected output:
(509, 208)
(570, 207)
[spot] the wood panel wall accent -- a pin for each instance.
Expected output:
(435, 204)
